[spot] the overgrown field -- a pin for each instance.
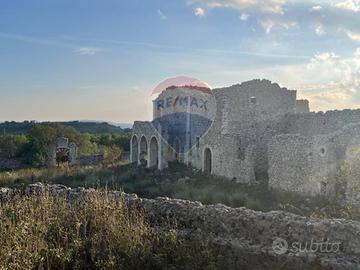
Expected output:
(179, 181)
(44, 232)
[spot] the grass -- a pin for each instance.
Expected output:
(179, 181)
(94, 233)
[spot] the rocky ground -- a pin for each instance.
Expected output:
(248, 239)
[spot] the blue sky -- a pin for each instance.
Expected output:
(97, 59)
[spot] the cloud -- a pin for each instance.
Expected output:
(350, 5)
(199, 12)
(51, 42)
(244, 16)
(269, 23)
(352, 35)
(357, 56)
(319, 30)
(265, 6)
(87, 50)
(325, 16)
(161, 14)
(339, 81)
(316, 8)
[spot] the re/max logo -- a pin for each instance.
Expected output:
(181, 101)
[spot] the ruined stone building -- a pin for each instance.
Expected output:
(64, 151)
(249, 132)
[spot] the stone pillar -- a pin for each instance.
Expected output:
(148, 165)
(131, 150)
(138, 153)
(52, 156)
(163, 163)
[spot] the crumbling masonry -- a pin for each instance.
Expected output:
(259, 131)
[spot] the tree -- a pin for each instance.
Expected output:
(41, 136)
(12, 146)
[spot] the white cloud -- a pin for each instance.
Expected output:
(350, 5)
(338, 85)
(269, 23)
(316, 8)
(244, 16)
(325, 57)
(357, 59)
(87, 50)
(357, 55)
(161, 14)
(329, 15)
(265, 6)
(199, 12)
(352, 35)
(319, 30)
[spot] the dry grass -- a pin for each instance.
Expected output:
(31, 175)
(95, 233)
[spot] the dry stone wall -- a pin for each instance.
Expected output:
(245, 237)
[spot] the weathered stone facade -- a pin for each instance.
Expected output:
(259, 132)
(62, 143)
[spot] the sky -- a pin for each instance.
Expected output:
(101, 59)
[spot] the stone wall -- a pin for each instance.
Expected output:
(11, 164)
(245, 237)
(306, 165)
(302, 106)
(90, 160)
(309, 164)
(309, 124)
(247, 117)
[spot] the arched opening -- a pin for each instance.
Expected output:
(207, 161)
(143, 151)
(63, 156)
(154, 153)
(134, 149)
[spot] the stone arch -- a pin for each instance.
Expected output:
(62, 152)
(134, 151)
(154, 153)
(143, 153)
(207, 161)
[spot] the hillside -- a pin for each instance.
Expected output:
(83, 127)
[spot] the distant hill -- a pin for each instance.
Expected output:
(122, 125)
(83, 127)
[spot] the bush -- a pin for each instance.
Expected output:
(12, 146)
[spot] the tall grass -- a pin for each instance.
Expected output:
(179, 181)
(94, 233)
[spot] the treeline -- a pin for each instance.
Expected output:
(12, 127)
(32, 147)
